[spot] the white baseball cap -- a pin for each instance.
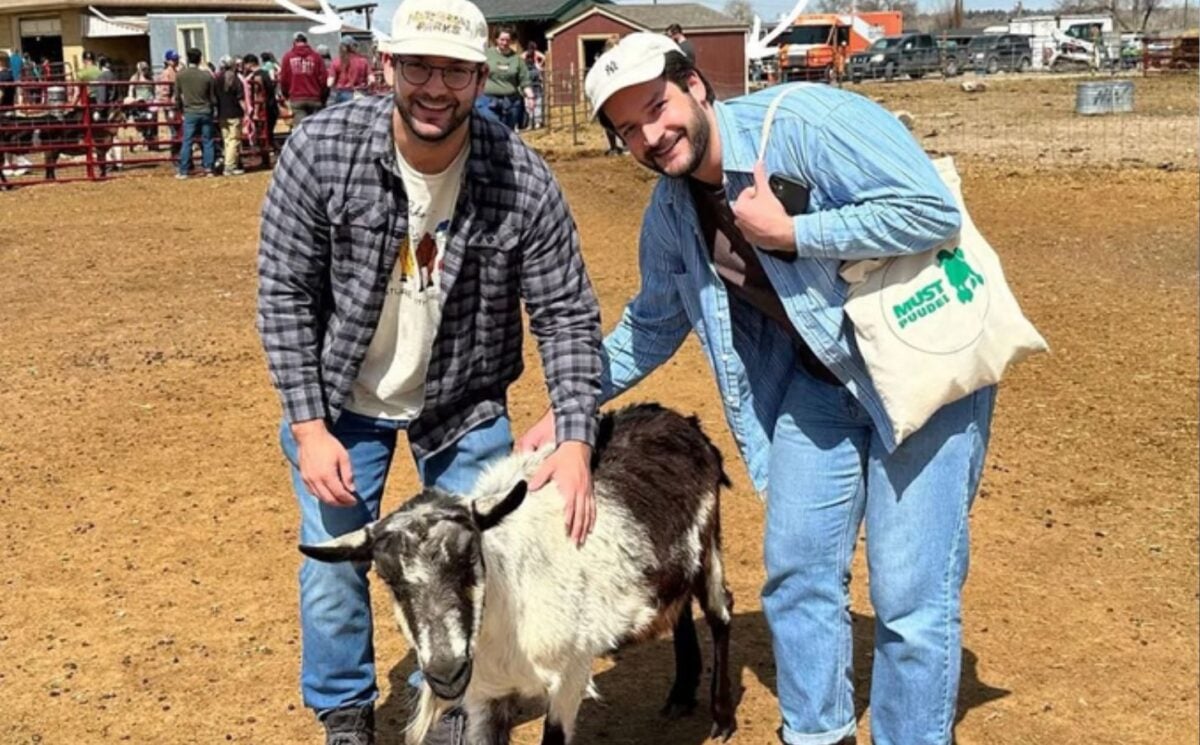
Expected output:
(636, 59)
(438, 28)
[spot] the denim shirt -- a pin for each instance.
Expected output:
(874, 193)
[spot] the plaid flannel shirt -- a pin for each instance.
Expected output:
(334, 217)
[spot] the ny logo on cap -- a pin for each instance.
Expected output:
(611, 67)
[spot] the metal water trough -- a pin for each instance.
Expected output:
(1108, 97)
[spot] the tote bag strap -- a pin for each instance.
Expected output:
(770, 118)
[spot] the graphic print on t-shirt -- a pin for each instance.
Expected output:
(425, 262)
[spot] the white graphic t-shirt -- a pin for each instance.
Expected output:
(391, 381)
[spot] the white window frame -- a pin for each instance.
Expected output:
(182, 46)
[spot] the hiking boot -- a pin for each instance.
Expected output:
(350, 726)
(451, 730)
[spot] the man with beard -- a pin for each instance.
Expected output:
(399, 236)
(758, 282)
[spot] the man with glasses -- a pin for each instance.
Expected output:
(399, 236)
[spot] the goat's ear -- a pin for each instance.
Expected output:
(355, 546)
(488, 513)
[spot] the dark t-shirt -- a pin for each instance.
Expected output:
(229, 99)
(688, 50)
(739, 268)
(8, 94)
(268, 86)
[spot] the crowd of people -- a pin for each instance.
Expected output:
(216, 105)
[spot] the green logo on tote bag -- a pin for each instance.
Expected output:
(959, 273)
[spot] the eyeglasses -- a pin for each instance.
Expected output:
(454, 77)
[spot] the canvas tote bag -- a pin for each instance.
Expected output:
(937, 326)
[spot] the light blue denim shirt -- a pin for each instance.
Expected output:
(874, 193)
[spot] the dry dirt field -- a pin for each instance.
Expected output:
(147, 529)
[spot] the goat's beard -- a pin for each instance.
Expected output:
(428, 711)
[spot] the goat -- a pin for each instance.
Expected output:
(499, 605)
(62, 131)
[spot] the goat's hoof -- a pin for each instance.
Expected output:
(723, 730)
(677, 709)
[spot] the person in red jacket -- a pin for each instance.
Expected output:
(350, 73)
(302, 79)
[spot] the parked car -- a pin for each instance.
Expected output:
(913, 55)
(995, 52)
(953, 46)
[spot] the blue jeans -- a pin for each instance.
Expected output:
(191, 124)
(828, 473)
(337, 656)
(509, 110)
(342, 95)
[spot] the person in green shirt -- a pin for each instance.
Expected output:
(88, 73)
(509, 89)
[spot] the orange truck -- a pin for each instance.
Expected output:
(818, 45)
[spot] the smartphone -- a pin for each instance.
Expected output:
(791, 192)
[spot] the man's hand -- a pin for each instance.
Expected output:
(761, 217)
(324, 464)
(570, 468)
(538, 435)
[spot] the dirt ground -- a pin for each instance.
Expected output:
(148, 532)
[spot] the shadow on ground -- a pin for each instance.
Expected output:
(634, 689)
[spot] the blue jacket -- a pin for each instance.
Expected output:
(874, 193)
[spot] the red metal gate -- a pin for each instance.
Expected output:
(48, 119)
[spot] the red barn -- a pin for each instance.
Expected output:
(719, 40)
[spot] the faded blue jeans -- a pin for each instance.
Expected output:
(197, 125)
(337, 656)
(829, 473)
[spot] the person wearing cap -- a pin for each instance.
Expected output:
(758, 282)
(88, 73)
(323, 50)
(302, 79)
(350, 73)
(400, 236)
(509, 90)
(230, 93)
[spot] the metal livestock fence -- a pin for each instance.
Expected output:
(102, 129)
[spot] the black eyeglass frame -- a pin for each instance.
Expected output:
(406, 68)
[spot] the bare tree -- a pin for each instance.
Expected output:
(740, 10)
(1148, 7)
(835, 6)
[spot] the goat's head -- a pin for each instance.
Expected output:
(429, 552)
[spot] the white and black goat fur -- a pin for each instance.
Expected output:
(499, 605)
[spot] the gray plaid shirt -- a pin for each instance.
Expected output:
(334, 217)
